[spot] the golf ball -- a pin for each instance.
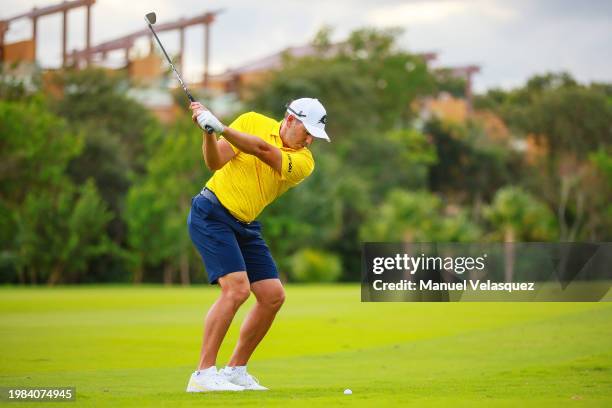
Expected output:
(347, 392)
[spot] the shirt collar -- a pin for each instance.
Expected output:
(276, 129)
(275, 132)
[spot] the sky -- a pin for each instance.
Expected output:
(510, 40)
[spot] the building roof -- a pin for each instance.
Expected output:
(275, 61)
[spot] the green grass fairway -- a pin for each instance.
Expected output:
(126, 346)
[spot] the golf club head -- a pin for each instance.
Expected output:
(150, 18)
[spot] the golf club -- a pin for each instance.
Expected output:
(151, 18)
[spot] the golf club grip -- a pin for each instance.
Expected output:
(191, 98)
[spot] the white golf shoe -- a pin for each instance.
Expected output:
(239, 376)
(210, 380)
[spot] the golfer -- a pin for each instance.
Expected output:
(255, 160)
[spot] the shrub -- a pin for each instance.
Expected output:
(313, 265)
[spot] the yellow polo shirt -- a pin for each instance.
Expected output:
(246, 185)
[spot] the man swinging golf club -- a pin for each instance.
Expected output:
(255, 161)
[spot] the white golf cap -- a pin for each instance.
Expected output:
(312, 114)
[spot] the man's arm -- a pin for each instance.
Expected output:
(271, 155)
(215, 152)
(249, 144)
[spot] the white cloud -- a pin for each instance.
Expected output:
(428, 12)
(415, 13)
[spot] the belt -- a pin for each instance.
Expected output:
(209, 195)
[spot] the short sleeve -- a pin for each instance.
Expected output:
(242, 123)
(296, 165)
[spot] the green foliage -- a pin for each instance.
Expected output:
(35, 150)
(518, 216)
(159, 202)
(99, 96)
(416, 217)
(59, 232)
(119, 136)
(449, 83)
(569, 121)
(87, 223)
(103, 159)
(599, 205)
(468, 163)
(145, 214)
(312, 265)
(602, 159)
(16, 87)
(565, 115)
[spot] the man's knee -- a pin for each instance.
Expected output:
(273, 299)
(236, 290)
(238, 295)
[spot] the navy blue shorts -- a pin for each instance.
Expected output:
(225, 244)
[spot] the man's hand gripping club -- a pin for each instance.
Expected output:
(204, 118)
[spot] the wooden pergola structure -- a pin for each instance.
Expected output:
(126, 42)
(36, 13)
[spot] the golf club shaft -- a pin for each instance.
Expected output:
(178, 76)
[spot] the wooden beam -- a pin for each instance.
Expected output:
(181, 47)
(88, 35)
(44, 11)
(206, 52)
(64, 36)
(3, 29)
(34, 33)
(118, 42)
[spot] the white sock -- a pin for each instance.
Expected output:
(209, 370)
(238, 369)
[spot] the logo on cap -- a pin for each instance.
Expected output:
(299, 114)
(323, 120)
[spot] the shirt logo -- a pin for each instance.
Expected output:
(290, 163)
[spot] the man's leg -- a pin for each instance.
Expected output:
(270, 297)
(234, 292)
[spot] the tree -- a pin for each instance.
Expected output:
(159, 202)
(59, 233)
(309, 265)
(568, 122)
(447, 82)
(103, 159)
(417, 217)
(99, 97)
(119, 134)
(54, 227)
(599, 187)
(470, 166)
(35, 148)
(518, 216)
